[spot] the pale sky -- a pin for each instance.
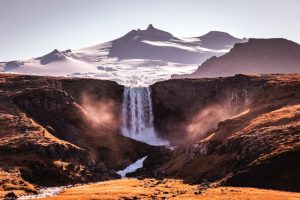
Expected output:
(31, 28)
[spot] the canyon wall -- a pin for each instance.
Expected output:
(60, 131)
(257, 145)
(187, 109)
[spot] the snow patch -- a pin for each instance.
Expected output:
(191, 48)
(56, 68)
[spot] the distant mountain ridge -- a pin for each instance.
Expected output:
(156, 44)
(140, 57)
(257, 56)
(219, 40)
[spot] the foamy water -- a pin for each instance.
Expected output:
(43, 193)
(137, 116)
(132, 167)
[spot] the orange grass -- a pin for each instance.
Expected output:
(168, 189)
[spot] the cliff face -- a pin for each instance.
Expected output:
(59, 131)
(185, 110)
(256, 145)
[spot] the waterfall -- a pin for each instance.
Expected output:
(138, 116)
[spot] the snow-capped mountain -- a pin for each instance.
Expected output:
(140, 57)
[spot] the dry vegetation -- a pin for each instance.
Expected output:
(166, 189)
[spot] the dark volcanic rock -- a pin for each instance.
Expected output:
(49, 136)
(10, 196)
(256, 147)
(280, 172)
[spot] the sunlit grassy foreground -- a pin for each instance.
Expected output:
(166, 189)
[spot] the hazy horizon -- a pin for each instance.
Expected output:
(33, 28)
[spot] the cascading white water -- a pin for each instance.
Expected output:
(138, 116)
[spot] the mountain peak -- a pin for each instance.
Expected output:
(217, 34)
(219, 40)
(54, 51)
(150, 27)
(54, 55)
(151, 33)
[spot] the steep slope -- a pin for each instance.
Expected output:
(58, 131)
(257, 56)
(246, 130)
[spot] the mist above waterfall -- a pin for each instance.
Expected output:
(206, 119)
(100, 113)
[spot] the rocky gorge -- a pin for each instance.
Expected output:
(51, 137)
(250, 134)
(231, 131)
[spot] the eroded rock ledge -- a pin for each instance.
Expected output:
(255, 145)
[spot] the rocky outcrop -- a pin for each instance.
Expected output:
(255, 147)
(151, 33)
(257, 56)
(280, 172)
